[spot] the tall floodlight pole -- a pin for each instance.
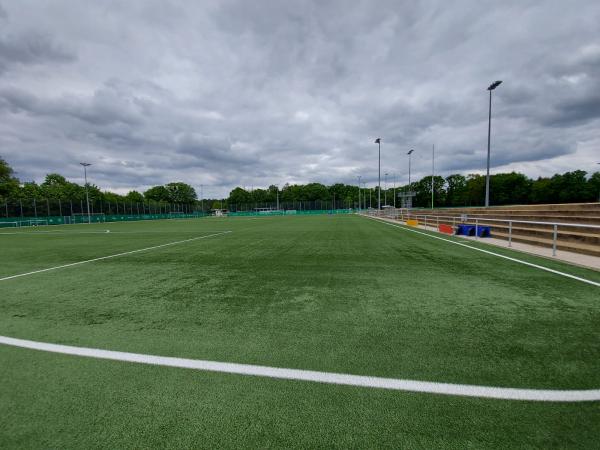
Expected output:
(490, 88)
(359, 177)
(378, 142)
(394, 191)
(432, 171)
(201, 199)
(385, 189)
(87, 197)
(409, 153)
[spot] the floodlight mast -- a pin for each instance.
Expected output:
(378, 142)
(409, 153)
(359, 177)
(490, 88)
(432, 171)
(87, 198)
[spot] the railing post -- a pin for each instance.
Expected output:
(554, 240)
(476, 229)
(510, 233)
(425, 222)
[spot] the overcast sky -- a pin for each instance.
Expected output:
(251, 93)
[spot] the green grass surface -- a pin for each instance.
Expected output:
(332, 293)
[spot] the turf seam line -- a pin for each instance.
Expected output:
(537, 266)
(78, 263)
(464, 390)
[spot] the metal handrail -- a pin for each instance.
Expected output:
(560, 224)
(396, 213)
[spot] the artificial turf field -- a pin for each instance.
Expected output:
(340, 293)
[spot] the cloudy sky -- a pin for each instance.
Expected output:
(251, 93)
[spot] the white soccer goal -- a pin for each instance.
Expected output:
(83, 217)
(9, 224)
(32, 222)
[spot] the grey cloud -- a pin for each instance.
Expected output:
(31, 48)
(227, 93)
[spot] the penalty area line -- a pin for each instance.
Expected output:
(464, 390)
(78, 263)
(520, 261)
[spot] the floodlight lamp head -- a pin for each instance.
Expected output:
(84, 164)
(410, 152)
(378, 141)
(494, 85)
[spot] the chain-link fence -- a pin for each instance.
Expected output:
(59, 207)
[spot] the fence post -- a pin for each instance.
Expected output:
(510, 233)
(425, 222)
(476, 229)
(554, 240)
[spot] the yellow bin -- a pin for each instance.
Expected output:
(412, 222)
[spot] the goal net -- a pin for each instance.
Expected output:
(9, 224)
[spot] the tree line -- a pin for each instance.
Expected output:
(453, 190)
(56, 186)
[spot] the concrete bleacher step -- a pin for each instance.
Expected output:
(572, 238)
(577, 247)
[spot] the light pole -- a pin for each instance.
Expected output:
(490, 88)
(385, 190)
(359, 177)
(378, 142)
(432, 171)
(87, 198)
(201, 199)
(394, 191)
(409, 153)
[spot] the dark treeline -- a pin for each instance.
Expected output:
(58, 196)
(454, 190)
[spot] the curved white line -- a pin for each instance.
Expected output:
(465, 390)
(547, 269)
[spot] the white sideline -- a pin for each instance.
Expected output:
(110, 256)
(547, 269)
(104, 232)
(464, 390)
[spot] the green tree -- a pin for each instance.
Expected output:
(456, 192)
(9, 184)
(239, 196)
(475, 190)
(594, 187)
(134, 196)
(510, 189)
(180, 193)
(157, 194)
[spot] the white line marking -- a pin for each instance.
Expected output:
(110, 256)
(547, 269)
(68, 232)
(465, 390)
